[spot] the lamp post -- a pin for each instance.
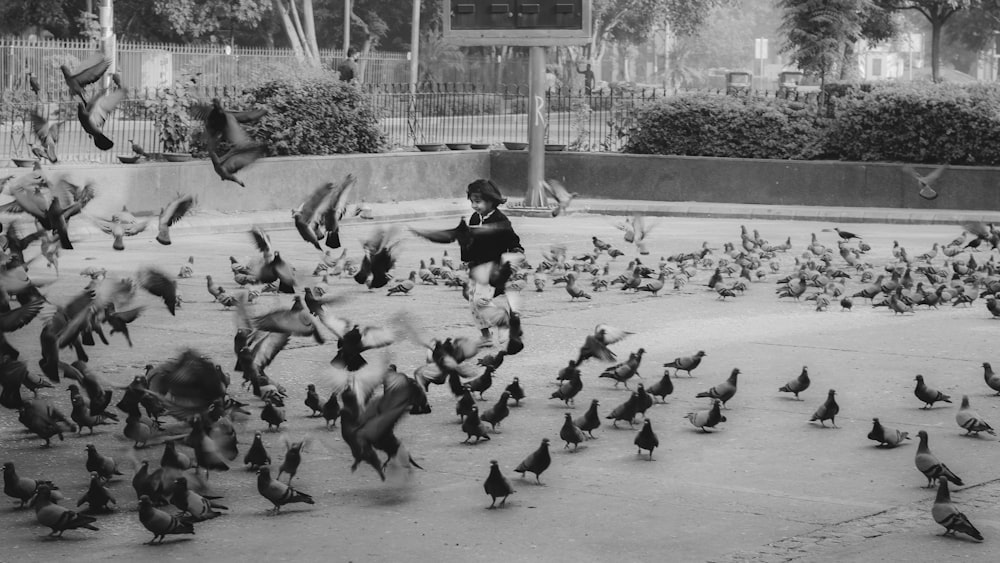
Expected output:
(347, 26)
(106, 19)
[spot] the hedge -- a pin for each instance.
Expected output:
(910, 122)
(315, 116)
(716, 125)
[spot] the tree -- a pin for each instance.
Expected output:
(821, 34)
(632, 21)
(58, 17)
(816, 32)
(937, 12)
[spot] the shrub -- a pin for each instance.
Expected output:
(725, 126)
(315, 115)
(928, 123)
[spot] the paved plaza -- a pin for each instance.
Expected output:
(766, 485)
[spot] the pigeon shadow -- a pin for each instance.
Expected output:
(168, 542)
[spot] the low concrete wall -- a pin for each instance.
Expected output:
(275, 183)
(736, 180)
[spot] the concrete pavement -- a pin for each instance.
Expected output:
(766, 486)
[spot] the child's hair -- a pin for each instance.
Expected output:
(487, 190)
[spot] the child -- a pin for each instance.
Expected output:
(486, 251)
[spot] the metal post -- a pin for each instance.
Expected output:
(535, 196)
(415, 47)
(108, 47)
(347, 26)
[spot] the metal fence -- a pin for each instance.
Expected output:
(148, 65)
(435, 114)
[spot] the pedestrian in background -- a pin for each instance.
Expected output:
(349, 68)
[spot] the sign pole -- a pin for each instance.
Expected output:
(535, 196)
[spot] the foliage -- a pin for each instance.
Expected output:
(909, 122)
(199, 19)
(315, 116)
(170, 110)
(57, 17)
(437, 56)
(726, 126)
(937, 13)
(817, 31)
(928, 123)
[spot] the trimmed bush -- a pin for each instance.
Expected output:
(315, 116)
(725, 126)
(918, 122)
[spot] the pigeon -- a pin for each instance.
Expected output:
(21, 488)
(272, 415)
(575, 291)
(256, 456)
(992, 379)
(173, 212)
(971, 421)
(569, 388)
(89, 72)
(624, 371)
(161, 523)
(590, 420)
(926, 182)
(707, 418)
(555, 189)
(499, 411)
(473, 426)
(928, 395)
(196, 508)
(482, 383)
(516, 391)
(536, 462)
(497, 486)
(625, 411)
(827, 411)
(58, 518)
(97, 496)
(324, 205)
(928, 464)
(331, 409)
(596, 344)
(95, 113)
(663, 387)
(888, 437)
(313, 401)
(723, 391)
(570, 433)
(47, 131)
(646, 439)
(686, 363)
(948, 515)
(293, 457)
(238, 158)
(103, 465)
(173, 458)
(797, 385)
(277, 492)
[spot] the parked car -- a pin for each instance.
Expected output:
(738, 82)
(789, 81)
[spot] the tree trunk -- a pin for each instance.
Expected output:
(293, 38)
(936, 24)
(616, 71)
(310, 23)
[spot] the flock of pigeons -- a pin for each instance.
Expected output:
(369, 396)
(222, 128)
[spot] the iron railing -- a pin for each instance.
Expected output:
(434, 114)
